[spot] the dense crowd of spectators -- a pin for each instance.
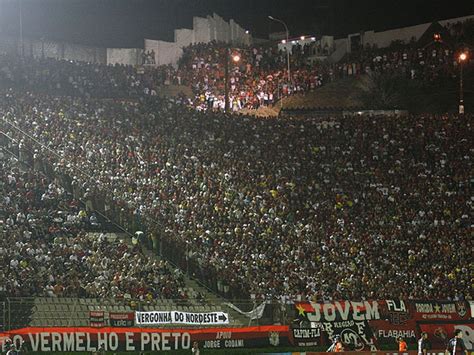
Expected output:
(462, 32)
(63, 77)
(46, 250)
(337, 208)
(435, 60)
(258, 78)
(341, 208)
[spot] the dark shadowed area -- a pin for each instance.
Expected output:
(124, 23)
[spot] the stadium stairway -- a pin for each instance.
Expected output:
(215, 302)
(73, 311)
(236, 319)
(341, 94)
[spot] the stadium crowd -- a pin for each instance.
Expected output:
(351, 208)
(434, 60)
(72, 78)
(341, 208)
(46, 249)
(258, 78)
(425, 64)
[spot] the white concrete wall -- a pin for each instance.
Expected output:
(184, 37)
(127, 56)
(341, 47)
(238, 34)
(205, 30)
(211, 21)
(84, 53)
(165, 52)
(220, 30)
(62, 50)
(456, 19)
(202, 31)
(384, 38)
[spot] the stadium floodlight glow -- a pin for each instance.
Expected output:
(247, 31)
(283, 41)
(302, 38)
(313, 38)
(236, 58)
(462, 59)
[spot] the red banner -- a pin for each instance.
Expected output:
(388, 333)
(145, 339)
(440, 310)
(96, 319)
(369, 324)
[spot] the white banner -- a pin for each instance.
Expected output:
(471, 303)
(175, 317)
(255, 313)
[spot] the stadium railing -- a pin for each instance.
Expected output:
(22, 312)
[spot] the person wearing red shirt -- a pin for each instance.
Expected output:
(402, 345)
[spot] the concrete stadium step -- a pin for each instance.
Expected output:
(212, 302)
(237, 319)
(342, 94)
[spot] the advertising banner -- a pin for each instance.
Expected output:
(175, 317)
(146, 339)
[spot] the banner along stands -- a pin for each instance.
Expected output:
(440, 311)
(349, 320)
(97, 319)
(175, 317)
(135, 340)
(121, 319)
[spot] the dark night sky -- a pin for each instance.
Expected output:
(124, 23)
